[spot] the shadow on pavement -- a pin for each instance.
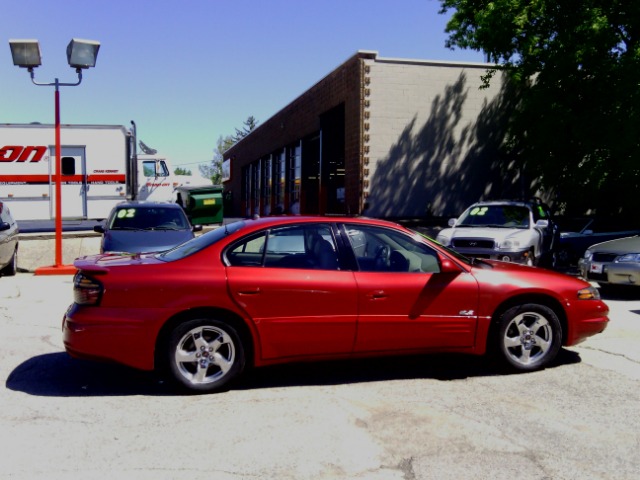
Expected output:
(58, 375)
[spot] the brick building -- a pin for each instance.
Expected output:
(399, 137)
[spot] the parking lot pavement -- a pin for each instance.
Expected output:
(427, 417)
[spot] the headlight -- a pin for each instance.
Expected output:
(443, 240)
(509, 244)
(629, 258)
(589, 293)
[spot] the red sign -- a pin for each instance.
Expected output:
(17, 153)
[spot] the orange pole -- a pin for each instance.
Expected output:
(58, 182)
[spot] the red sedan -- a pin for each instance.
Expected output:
(286, 289)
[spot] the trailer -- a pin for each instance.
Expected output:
(99, 168)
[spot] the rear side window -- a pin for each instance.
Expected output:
(309, 246)
(248, 252)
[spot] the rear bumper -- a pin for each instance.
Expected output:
(110, 334)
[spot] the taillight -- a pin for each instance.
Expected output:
(86, 290)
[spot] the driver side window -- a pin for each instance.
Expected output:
(379, 249)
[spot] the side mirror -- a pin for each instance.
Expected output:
(447, 266)
(588, 232)
(4, 226)
(98, 229)
(452, 222)
(542, 224)
(197, 228)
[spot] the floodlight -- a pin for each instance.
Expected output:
(82, 53)
(25, 53)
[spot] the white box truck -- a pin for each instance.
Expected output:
(99, 168)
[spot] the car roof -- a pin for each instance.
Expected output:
(146, 204)
(297, 219)
(518, 203)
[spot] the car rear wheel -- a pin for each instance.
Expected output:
(205, 354)
(12, 267)
(529, 337)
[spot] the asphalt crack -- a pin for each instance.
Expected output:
(615, 354)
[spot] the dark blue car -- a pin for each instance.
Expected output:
(142, 227)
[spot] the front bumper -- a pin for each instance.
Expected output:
(515, 256)
(610, 273)
(585, 319)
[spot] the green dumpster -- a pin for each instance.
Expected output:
(203, 205)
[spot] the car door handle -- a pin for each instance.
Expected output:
(377, 294)
(255, 291)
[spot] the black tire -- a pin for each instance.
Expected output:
(529, 337)
(12, 267)
(204, 355)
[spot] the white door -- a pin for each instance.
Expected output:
(74, 183)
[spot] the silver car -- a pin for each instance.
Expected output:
(8, 242)
(616, 262)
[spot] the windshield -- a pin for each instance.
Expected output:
(200, 242)
(148, 218)
(498, 216)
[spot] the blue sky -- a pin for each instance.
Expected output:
(190, 71)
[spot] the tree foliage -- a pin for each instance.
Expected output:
(214, 169)
(248, 126)
(576, 65)
(182, 171)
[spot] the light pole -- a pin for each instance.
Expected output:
(80, 54)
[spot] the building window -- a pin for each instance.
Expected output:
(295, 177)
(246, 189)
(267, 184)
(281, 178)
(255, 188)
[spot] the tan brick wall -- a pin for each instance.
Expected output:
(423, 132)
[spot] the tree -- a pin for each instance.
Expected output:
(576, 66)
(182, 171)
(249, 125)
(214, 169)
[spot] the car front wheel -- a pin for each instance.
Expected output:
(205, 354)
(530, 337)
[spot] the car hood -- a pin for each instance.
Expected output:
(620, 245)
(499, 234)
(142, 241)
